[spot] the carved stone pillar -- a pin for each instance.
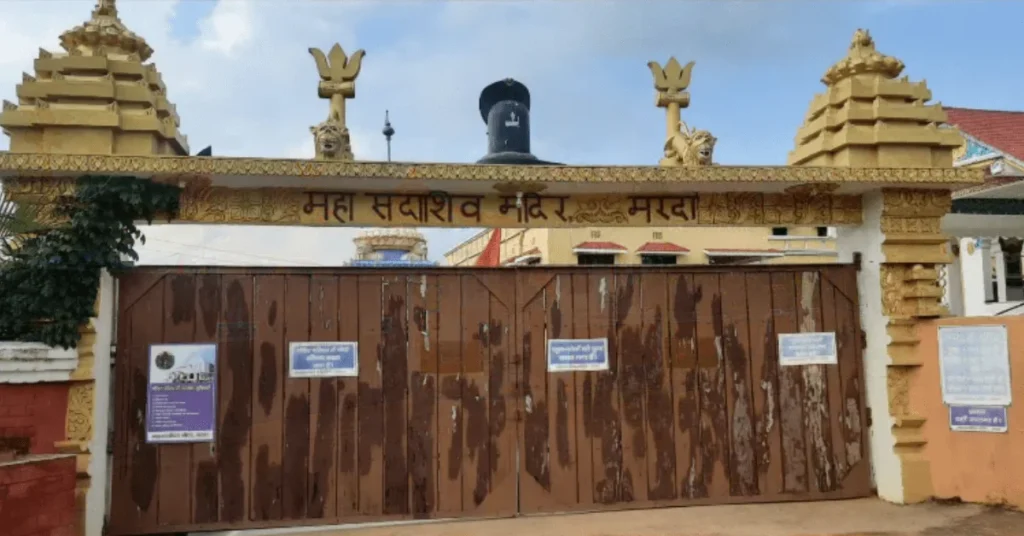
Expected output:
(913, 247)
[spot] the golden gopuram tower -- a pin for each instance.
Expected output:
(98, 97)
(869, 117)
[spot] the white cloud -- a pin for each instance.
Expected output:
(246, 84)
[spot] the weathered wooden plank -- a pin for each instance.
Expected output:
(348, 396)
(204, 472)
(714, 421)
(765, 377)
(686, 387)
(501, 378)
(628, 306)
(794, 453)
(323, 399)
(395, 377)
(178, 318)
(423, 319)
(234, 376)
(144, 458)
(853, 423)
(475, 455)
(606, 404)
(371, 404)
(449, 399)
(815, 399)
(834, 381)
(736, 347)
(536, 467)
(269, 369)
(561, 398)
(296, 402)
(584, 389)
(661, 454)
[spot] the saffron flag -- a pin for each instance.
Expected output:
(491, 255)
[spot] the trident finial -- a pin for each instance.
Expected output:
(338, 74)
(671, 82)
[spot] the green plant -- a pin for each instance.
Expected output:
(16, 221)
(49, 284)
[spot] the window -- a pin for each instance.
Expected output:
(655, 260)
(591, 259)
(823, 232)
(780, 231)
(656, 235)
(595, 234)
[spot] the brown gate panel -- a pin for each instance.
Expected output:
(695, 408)
(454, 413)
(426, 430)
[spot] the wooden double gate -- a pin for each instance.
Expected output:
(454, 413)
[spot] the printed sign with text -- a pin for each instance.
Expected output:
(974, 364)
(182, 393)
(807, 349)
(977, 419)
(573, 355)
(323, 359)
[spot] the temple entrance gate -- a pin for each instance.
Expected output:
(453, 390)
(871, 159)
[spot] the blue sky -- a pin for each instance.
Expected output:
(243, 81)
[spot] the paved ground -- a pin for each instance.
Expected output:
(862, 517)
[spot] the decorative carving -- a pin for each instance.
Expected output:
(332, 141)
(862, 58)
(224, 205)
(689, 148)
(45, 164)
(80, 410)
(104, 33)
(602, 210)
(897, 382)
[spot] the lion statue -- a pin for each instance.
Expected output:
(689, 148)
(332, 141)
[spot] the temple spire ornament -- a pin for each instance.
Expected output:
(105, 35)
(683, 147)
(338, 73)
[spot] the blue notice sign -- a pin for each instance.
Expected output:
(807, 349)
(323, 359)
(572, 355)
(977, 419)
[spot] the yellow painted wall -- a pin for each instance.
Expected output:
(556, 245)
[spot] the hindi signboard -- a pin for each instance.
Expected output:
(182, 393)
(323, 359)
(575, 355)
(807, 349)
(990, 419)
(974, 364)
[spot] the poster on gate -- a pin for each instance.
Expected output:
(182, 393)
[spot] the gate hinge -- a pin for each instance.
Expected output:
(869, 417)
(857, 257)
(863, 340)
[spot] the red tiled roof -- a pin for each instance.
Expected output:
(661, 247)
(753, 251)
(600, 245)
(999, 129)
